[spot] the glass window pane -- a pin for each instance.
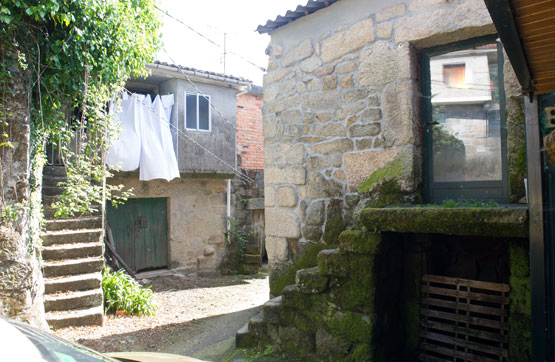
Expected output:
(191, 111)
(465, 103)
(204, 112)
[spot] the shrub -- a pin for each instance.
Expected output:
(121, 292)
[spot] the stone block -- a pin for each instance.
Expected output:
(275, 76)
(348, 41)
(324, 70)
(329, 347)
(339, 175)
(276, 247)
(364, 144)
(349, 110)
(400, 123)
(323, 117)
(298, 53)
(325, 100)
(355, 94)
(364, 130)
(452, 23)
(333, 262)
(271, 310)
(282, 222)
(312, 233)
(384, 31)
(310, 281)
(359, 166)
(288, 154)
(317, 163)
(255, 203)
(315, 213)
(269, 196)
(382, 63)
(292, 297)
(291, 131)
(288, 103)
(341, 145)
(293, 116)
(289, 175)
(329, 130)
(329, 82)
(346, 67)
(355, 241)
(294, 341)
(417, 5)
(390, 12)
(311, 64)
(287, 196)
(320, 187)
(346, 81)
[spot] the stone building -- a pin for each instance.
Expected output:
(362, 112)
(181, 224)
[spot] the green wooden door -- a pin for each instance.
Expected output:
(139, 228)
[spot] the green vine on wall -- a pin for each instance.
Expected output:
(73, 57)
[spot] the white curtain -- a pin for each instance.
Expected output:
(145, 126)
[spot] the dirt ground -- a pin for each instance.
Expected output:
(197, 316)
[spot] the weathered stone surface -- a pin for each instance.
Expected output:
(311, 64)
(329, 130)
(275, 76)
(364, 144)
(400, 118)
(277, 248)
(341, 145)
(291, 131)
(358, 242)
(417, 5)
(371, 115)
(333, 262)
(329, 82)
(315, 162)
(300, 52)
(290, 175)
(290, 117)
(313, 233)
(360, 166)
(324, 70)
(330, 347)
(288, 103)
(394, 63)
(347, 81)
(451, 23)
(384, 31)
(287, 154)
(350, 110)
(348, 41)
(318, 186)
(314, 85)
(323, 117)
(310, 280)
(497, 222)
(364, 130)
(346, 67)
(325, 100)
(391, 12)
(339, 175)
(355, 94)
(287, 196)
(315, 213)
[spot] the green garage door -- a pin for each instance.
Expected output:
(139, 229)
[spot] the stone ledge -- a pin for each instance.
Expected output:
(495, 221)
(255, 204)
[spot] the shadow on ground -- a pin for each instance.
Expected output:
(173, 282)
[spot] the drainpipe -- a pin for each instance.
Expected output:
(228, 202)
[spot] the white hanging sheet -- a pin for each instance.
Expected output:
(125, 147)
(144, 140)
(158, 159)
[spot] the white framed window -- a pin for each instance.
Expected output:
(198, 115)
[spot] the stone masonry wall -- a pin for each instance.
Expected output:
(196, 219)
(340, 105)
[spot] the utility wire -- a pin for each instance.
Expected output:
(212, 105)
(184, 135)
(208, 39)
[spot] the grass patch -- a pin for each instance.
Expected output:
(121, 292)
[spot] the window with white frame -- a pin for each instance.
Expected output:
(197, 112)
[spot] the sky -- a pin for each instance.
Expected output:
(237, 19)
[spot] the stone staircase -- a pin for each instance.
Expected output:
(329, 313)
(251, 260)
(73, 258)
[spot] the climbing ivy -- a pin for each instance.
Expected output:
(73, 56)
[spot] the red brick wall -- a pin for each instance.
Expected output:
(250, 142)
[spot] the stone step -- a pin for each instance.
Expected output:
(75, 223)
(257, 326)
(73, 283)
(71, 236)
(252, 249)
(81, 317)
(72, 266)
(48, 190)
(271, 310)
(73, 300)
(70, 251)
(251, 259)
(56, 171)
(248, 269)
(245, 339)
(52, 180)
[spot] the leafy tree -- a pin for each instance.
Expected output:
(74, 56)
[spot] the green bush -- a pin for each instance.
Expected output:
(121, 292)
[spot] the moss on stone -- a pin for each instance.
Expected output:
(361, 352)
(352, 326)
(307, 260)
(519, 260)
(359, 242)
(496, 222)
(310, 280)
(353, 294)
(390, 172)
(520, 301)
(334, 226)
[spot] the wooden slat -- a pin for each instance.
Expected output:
(457, 354)
(480, 297)
(453, 328)
(464, 343)
(490, 323)
(427, 358)
(466, 307)
(472, 283)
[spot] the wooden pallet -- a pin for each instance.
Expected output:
(463, 320)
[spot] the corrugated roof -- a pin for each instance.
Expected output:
(291, 15)
(203, 73)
